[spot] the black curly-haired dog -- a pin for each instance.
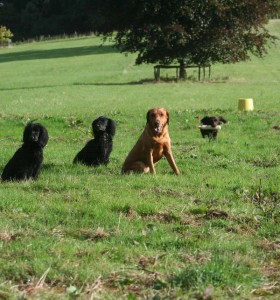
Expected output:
(27, 160)
(97, 151)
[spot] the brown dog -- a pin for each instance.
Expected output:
(153, 143)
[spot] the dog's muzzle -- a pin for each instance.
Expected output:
(158, 127)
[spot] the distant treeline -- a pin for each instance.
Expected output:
(34, 18)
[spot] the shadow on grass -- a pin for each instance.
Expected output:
(31, 87)
(57, 53)
(140, 82)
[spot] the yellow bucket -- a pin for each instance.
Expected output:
(246, 104)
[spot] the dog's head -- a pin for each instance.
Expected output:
(213, 121)
(157, 119)
(103, 124)
(35, 134)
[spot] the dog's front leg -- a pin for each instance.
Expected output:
(169, 156)
(151, 162)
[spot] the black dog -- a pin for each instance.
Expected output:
(27, 161)
(213, 122)
(97, 151)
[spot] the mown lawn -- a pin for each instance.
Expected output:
(92, 233)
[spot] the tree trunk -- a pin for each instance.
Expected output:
(183, 71)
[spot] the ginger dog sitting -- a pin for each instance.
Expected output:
(153, 144)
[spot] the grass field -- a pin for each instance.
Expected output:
(92, 233)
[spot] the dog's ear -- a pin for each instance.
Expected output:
(111, 127)
(222, 119)
(148, 115)
(205, 120)
(44, 136)
(168, 116)
(26, 132)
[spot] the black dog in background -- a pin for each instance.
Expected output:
(213, 122)
(27, 160)
(97, 151)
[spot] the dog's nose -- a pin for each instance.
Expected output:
(35, 137)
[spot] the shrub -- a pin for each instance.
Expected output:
(5, 36)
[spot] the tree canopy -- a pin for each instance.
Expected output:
(197, 31)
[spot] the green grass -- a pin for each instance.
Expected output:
(84, 232)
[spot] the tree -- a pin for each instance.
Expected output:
(190, 32)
